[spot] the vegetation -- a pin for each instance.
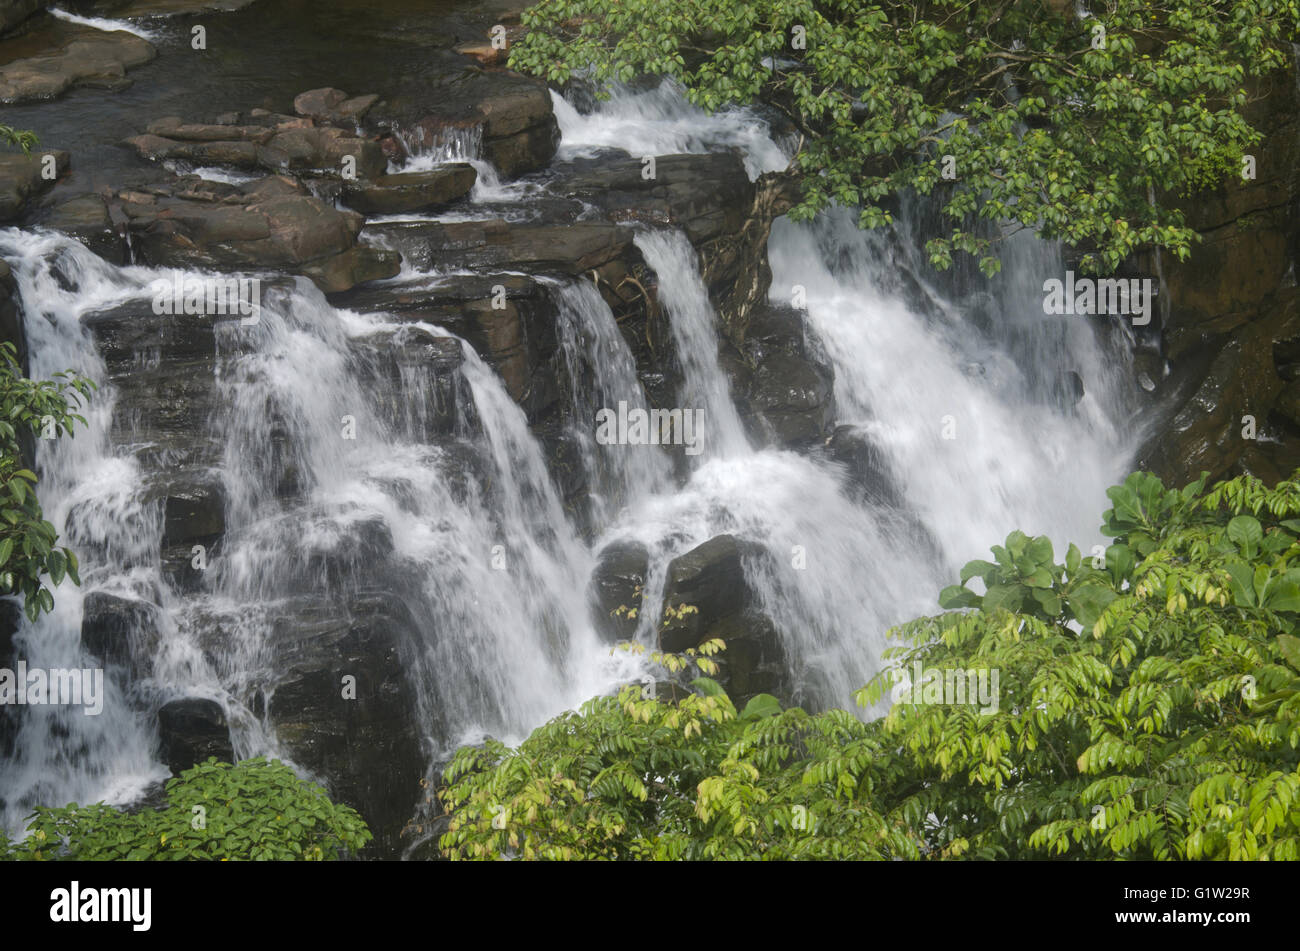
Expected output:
(1148, 708)
(31, 409)
(253, 810)
(17, 137)
(1076, 126)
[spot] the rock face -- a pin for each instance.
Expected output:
(11, 321)
(361, 733)
(191, 730)
(120, 631)
(786, 391)
(23, 176)
(71, 55)
(711, 578)
(1232, 316)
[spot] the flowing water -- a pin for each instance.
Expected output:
(966, 399)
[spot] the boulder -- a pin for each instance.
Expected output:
(409, 192)
(333, 105)
(87, 218)
(191, 730)
(11, 318)
(617, 582)
(69, 55)
(22, 177)
(711, 578)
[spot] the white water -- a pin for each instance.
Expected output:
(103, 23)
(502, 648)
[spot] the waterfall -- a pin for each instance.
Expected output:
(366, 454)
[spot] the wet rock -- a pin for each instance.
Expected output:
(333, 105)
(409, 192)
(11, 320)
(165, 8)
(289, 145)
(366, 740)
(509, 319)
(254, 227)
(120, 631)
(22, 177)
(87, 218)
(193, 729)
(70, 55)
(511, 115)
(566, 249)
(422, 391)
(786, 390)
(865, 464)
(193, 522)
(14, 12)
(711, 578)
(616, 583)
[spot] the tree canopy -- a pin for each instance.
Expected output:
(1016, 113)
(1147, 707)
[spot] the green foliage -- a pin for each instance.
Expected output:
(19, 137)
(1051, 125)
(215, 811)
(1148, 708)
(29, 409)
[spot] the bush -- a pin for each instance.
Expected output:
(1148, 707)
(253, 810)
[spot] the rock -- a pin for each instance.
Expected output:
(22, 177)
(87, 218)
(121, 632)
(193, 514)
(11, 319)
(292, 145)
(425, 395)
(70, 55)
(165, 8)
(367, 744)
(793, 400)
(333, 105)
(511, 115)
(569, 249)
(14, 12)
(262, 225)
(409, 192)
(191, 730)
(616, 583)
(517, 339)
(711, 578)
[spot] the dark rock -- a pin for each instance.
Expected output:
(22, 178)
(120, 631)
(411, 191)
(512, 115)
(711, 578)
(191, 730)
(333, 105)
(866, 466)
(87, 218)
(14, 12)
(368, 747)
(11, 318)
(616, 583)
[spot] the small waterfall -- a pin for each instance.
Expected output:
(602, 374)
(695, 337)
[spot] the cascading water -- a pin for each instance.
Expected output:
(333, 467)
